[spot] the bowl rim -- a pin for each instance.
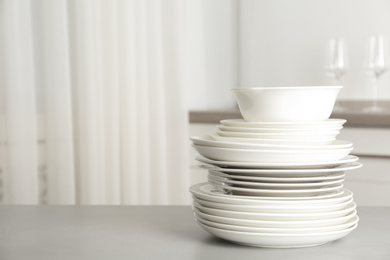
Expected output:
(286, 88)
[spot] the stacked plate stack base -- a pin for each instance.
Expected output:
(276, 177)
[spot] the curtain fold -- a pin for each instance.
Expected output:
(93, 102)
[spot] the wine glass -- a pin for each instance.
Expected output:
(336, 63)
(377, 63)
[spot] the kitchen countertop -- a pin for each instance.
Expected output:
(352, 112)
(160, 232)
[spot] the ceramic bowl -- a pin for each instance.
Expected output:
(286, 104)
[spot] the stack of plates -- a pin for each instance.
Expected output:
(275, 184)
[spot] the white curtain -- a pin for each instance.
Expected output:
(92, 104)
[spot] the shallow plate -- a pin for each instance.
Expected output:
(277, 240)
(210, 192)
(276, 216)
(309, 137)
(280, 179)
(283, 172)
(273, 185)
(292, 208)
(278, 224)
(331, 122)
(271, 156)
(274, 141)
(354, 220)
(293, 192)
(210, 141)
(293, 131)
(279, 165)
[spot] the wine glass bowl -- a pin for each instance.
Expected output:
(336, 62)
(377, 63)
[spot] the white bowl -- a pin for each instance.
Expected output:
(271, 156)
(275, 104)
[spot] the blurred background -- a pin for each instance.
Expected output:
(96, 96)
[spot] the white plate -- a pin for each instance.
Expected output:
(279, 165)
(278, 240)
(283, 172)
(277, 192)
(273, 141)
(309, 137)
(354, 220)
(293, 131)
(278, 224)
(276, 216)
(332, 122)
(271, 156)
(210, 192)
(292, 208)
(281, 179)
(209, 141)
(273, 185)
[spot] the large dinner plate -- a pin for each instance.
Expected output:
(210, 192)
(210, 141)
(292, 208)
(294, 230)
(276, 223)
(273, 185)
(271, 156)
(276, 216)
(278, 179)
(278, 240)
(293, 192)
(279, 165)
(283, 172)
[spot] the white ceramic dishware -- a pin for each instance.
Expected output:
(276, 216)
(310, 125)
(210, 141)
(354, 220)
(292, 208)
(301, 142)
(278, 179)
(279, 165)
(273, 185)
(292, 192)
(278, 240)
(279, 130)
(277, 223)
(293, 103)
(207, 191)
(271, 156)
(282, 136)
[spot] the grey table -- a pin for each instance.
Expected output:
(159, 232)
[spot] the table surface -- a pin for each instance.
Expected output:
(160, 232)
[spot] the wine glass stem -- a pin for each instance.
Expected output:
(375, 92)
